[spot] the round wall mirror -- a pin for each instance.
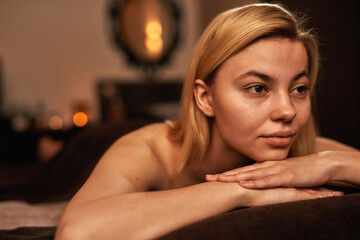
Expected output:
(147, 31)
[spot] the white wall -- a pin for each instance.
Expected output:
(54, 52)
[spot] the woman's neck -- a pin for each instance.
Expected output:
(219, 158)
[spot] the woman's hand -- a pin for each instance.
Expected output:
(308, 171)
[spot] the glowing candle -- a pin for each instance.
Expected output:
(80, 119)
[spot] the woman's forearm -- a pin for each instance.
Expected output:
(145, 215)
(345, 167)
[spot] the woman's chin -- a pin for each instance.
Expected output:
(271, 155)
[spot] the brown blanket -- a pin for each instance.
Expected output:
(28, 233)
(327, 218)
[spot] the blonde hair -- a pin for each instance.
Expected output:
(227, 34)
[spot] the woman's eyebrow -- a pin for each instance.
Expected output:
(268, 78)
(257, 74)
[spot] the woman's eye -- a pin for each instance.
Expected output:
(257, 89)
(301, 89)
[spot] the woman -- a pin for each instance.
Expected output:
(246, 99)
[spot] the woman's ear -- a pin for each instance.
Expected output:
(203, 97)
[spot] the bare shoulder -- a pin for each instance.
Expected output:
(133, 163)
(138, 156)
(326, 144)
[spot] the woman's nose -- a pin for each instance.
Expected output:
(283, 109)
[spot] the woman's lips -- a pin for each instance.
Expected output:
(279, 139)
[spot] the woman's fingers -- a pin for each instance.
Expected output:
(274, 180)
(255, 174)
(245, 168)
(280, 195)
(248, 172)
(323, 192)
(212, 177)
(251, 174)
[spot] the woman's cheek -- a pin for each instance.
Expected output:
(304, 114)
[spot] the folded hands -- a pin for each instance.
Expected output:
(305, 173)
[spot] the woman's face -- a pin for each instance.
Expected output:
(260, 98)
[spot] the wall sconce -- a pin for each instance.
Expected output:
(147, 31)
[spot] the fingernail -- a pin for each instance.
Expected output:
(338, 193)
(335, 193)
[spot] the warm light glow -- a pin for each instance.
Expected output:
(80, 119)
(154, 45)
(153, 37)
(153, 30)
(55, 123)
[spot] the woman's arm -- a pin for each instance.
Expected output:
(146, 215)
(334, 164)
(114, 203)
